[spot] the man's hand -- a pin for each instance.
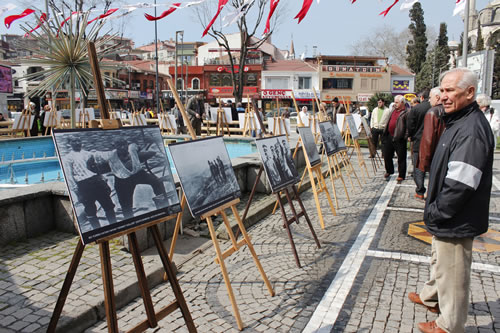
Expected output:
(197, 115)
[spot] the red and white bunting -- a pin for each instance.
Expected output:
(222, 3)
(306, 5)
(9, 19)
(459, 7)
(273, 5)
(43, 17)
(164, 14)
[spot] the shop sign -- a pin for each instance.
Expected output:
(229, 90)
(329, 97)
(400, 85)
(276, 93)
(304, 94)
(409, 97)
(149, 96)
(133, 94)
(364, 97)
(353, 69)
(143, 94)
(226, 69)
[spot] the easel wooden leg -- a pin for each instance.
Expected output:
(225, 274)
(66, 286)
(287, 227)
(167, 265)
(338, 174)
(143, 282)
(252, 250)
(178, 222)
(316, 199)
(301, 205)
(332, 180)
(109, 293)
(323, 187)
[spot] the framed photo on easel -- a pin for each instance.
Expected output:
(117, 179)
(309, 145)
(278, 162)
(206, 173)
(352, 126)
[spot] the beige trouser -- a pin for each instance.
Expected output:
(451, 260)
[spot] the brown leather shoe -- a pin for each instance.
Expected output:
(399, 180)
(430, 327)
(419, 196)
(415, 298)
(387, 175)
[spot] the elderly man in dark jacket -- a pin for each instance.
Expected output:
(457, 205)
(394, 139)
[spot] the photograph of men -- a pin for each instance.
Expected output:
(206, 174)
(328, 137)
(352, 126)
(116, 184)
(278, 163)
(309, 145)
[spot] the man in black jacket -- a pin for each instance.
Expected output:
(415, 128)
(457, 205)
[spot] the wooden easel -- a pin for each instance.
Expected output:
(138, 119)
(249, 123)
(83, 118)
(109, 301)
(279, 121)
(221, 121)
(375, 160)
(318, 184)
(335, 173)
(52, 121)
(166, 123)
(236, 245)
(351, 142)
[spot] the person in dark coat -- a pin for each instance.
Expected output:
(394, 139)
(457, 206)
(415, 127)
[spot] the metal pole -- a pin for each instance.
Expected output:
(187, 68)
(175, 75)
(182, 63)
(156, 58)
(466, 34)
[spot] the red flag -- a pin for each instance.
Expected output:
(389, 8)
(305, 8)
(164, 14)
(222, 3)
(109, 12)
(274, 4)
(67, 19)
(9, 19)
(43, 17)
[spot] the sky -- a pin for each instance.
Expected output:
(332, 26)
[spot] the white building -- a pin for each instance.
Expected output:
(281, 78)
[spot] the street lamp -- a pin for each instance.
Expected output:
(156, 58)
(181, 32)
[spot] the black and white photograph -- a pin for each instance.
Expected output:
(338, 138)
(329, 138)
(278, 162)
(309, 145)
(117, 179)
(366, 127)
(206, 173)
(352, 126)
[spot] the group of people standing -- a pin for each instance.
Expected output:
(217, 170)
(452, 134)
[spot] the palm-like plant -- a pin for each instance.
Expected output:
(64, 56)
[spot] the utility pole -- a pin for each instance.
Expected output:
(466, 34)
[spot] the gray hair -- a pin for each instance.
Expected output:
(399, 98)
(435, 92)
(469, 78)
(483, 100)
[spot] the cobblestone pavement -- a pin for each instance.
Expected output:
(357, 281)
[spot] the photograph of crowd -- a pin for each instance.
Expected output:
(206, 173)
(278, 162)
(117, 179)
(309, 145)
(352, 126)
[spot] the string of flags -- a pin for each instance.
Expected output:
(230, 18)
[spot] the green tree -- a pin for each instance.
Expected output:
(443, 54)
(372, 102)
(480, 40)
(424, 78)
(461, 45)
(416, 48)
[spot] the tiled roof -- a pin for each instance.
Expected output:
(290, 65)
(395, 69)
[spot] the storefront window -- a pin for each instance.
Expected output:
(277, 83)
(337, 83)
(215, 80)
(226, 80)
(364, 84)
(374, 84)
(251, 80)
